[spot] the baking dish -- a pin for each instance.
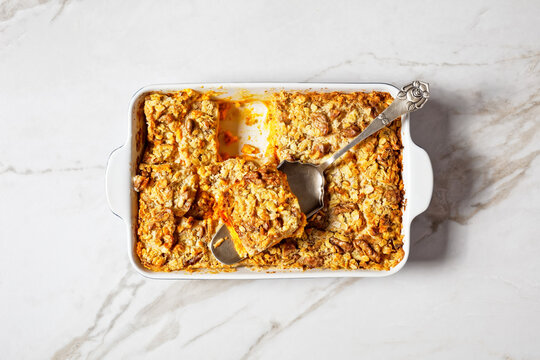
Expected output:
(122, 166)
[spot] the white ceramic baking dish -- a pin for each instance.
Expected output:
(122, 165)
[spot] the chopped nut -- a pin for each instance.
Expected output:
(139, 182)
(199, 231)
(288, 248)
(392, 196)
(366, 248)
(351, 131)
(167, 118)
(311, 261)
(343, 245)
(334, 114)
(320, 149)
(344, 208)
(202, 206)
(270, 176)
(320, 121)
(254, 177)
(194, 259)
(189, 125)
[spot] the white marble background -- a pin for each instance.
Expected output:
(471, 288)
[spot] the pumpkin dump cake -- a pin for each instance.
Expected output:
(186, 188)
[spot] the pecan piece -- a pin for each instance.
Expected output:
(167, 118)
(385, 221)
(334, 114)
(311, 261)
(288, 248)
(284, 118)
(254, 177)
(319, 220)
(344, 208)
(163, 215)
(320, 121)
(139, 182)
(189, 124)
(269, 176)
(320, 149)
(263, 229)
(194, 259)
(204, 121)
(201, 207)
(351, 131)
(182, 200)
(392, 196)
(342, 245)
(367, 249)
(385, 154)
(374, 100)
(199, 231)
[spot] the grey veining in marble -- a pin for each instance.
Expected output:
(471, 287)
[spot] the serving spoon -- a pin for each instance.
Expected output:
(307, 180)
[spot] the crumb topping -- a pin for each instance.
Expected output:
(184, 185)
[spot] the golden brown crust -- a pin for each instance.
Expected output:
(181, 181)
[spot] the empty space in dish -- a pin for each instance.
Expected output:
(246, 121)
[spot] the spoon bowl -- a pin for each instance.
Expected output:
(307, 184)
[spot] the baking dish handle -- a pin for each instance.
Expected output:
(117, 182)
(422, 187)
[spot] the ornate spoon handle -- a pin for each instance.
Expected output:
(410, 98)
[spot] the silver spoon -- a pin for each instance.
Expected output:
(307, 180)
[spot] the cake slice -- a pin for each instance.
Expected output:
(182, 128)
(260, 210)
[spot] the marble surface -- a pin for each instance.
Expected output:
(471, 287)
